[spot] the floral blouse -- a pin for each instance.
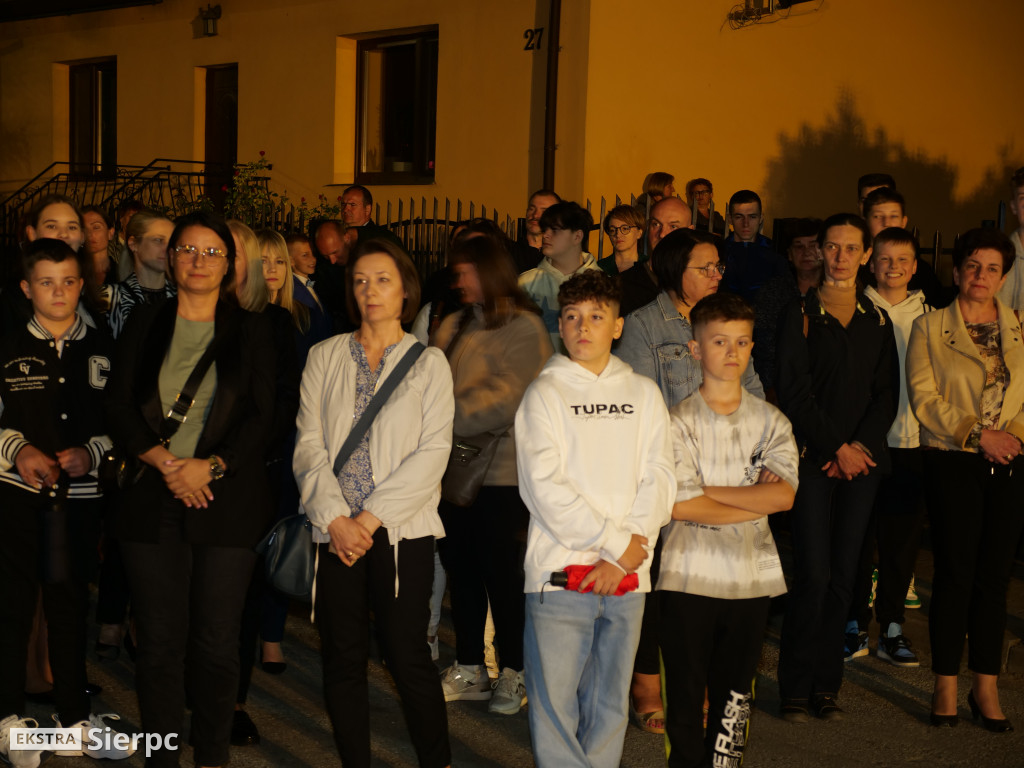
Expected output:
(986, 338)
(356, 476)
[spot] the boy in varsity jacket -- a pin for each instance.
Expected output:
(51, 442)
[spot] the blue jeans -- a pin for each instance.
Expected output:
(828, 522)
(579, 649)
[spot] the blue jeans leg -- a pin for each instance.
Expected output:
(579, 651)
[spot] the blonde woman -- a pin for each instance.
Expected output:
(255, 295)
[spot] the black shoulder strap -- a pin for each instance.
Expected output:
(375, 404)
(178, 413)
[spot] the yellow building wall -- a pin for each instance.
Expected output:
(798, 109)
(795, 109)
(294, 102)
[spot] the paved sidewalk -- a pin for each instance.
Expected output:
(886, 723)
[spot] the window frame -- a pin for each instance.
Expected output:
(425, 134)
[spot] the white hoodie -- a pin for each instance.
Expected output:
(905, 431)
(595, 466)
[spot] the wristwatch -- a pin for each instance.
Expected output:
(216, 472)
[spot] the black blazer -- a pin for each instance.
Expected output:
(237, 428)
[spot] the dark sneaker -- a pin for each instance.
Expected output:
(825, 708)
(795, 711)
(856, 642)
(895, 648)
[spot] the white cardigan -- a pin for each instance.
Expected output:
(410, 439)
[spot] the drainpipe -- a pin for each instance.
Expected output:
(551, 94)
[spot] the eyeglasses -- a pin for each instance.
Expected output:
(709, 269)
(191, 253)
(623, 230)
(701, 192)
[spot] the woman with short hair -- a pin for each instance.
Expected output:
(965, 376)
(375, 521)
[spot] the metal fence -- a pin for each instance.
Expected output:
(423, 225)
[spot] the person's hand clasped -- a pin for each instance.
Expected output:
(999, 446)
(767, 476)
(188, 480)
(349, 538)
(605, 577)
(851, 462)
(75, 461)
(36, 468)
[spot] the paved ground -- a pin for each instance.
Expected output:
(887, 722)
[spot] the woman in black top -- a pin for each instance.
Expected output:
(837, 379)
(189, 523)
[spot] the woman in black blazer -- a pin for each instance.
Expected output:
(189, 523)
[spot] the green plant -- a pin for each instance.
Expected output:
(249, 198)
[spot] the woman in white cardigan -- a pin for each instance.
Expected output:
(375, 522)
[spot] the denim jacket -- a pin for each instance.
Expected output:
(654, 341)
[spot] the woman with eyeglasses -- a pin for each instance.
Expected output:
(624, 226)
(837, 379)
(189, 521)
(654, 341)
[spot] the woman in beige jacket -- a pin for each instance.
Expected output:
(965, 374)
(496, 346)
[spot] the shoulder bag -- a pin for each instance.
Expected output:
(289, 553)
(118, 469)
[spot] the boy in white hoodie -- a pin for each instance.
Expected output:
(899, 511)
(596, 472)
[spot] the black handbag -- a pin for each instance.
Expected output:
(472, 455)
(289, 553)
(120, 469)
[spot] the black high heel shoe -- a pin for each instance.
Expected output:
(991, 724)
(943, 721)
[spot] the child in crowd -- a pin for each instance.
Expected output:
(51, 443)
(899, 511)
(595, 471)
(736, 463)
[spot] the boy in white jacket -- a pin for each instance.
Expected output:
(596, 472)
(899, 510)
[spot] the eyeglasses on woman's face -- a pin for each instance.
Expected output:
(623, 230)
(189, 253)
(709, 269)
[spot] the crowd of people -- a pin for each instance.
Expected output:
(587, 455)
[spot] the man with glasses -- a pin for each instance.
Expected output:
(749, 256)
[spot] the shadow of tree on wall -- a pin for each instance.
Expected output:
(816, 171)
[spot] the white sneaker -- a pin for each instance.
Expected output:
(466, 683)
(110, 747)
(19, 758)
(509, 694)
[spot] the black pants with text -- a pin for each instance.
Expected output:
(714, 643)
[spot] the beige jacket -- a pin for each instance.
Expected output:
(945, 376)
(492, 369)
